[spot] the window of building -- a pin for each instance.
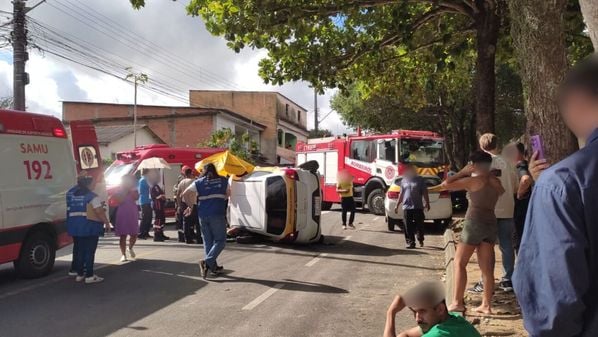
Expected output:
(286, 109)
(290, 141)
(280, 137)
(299, 116)
(361, 150)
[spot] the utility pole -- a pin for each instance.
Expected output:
(316, 110)
(136, 78)
(20, 55)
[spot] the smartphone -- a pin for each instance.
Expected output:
(536, 142)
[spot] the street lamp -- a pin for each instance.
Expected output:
(136, 78)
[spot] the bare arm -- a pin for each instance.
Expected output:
(524, 185)
(495, 182)
(390, 328)
(399, 201)
(413, 332)
(426, 198)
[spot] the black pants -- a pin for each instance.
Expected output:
(146, 219)
(348, 205)
(191, 229)
(414, 222)
(519, 220)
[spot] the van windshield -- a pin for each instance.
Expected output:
(276, 205)
(114, 173)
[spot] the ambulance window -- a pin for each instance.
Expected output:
(387, 150)
(276, 205)
(361, 150)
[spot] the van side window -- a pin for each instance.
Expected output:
(276, 205)
(361, 150)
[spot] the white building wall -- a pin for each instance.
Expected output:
(144, 137)
(224, 123)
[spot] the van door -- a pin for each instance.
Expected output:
(86, 151)
(386, 159)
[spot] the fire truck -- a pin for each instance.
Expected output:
(375, 161)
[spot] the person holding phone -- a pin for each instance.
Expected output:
(557, 271)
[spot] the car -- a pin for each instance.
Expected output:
(441, 208)
(280, 204)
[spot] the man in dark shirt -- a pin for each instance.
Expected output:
(556, 276)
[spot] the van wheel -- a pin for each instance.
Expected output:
(326, 205)
(376, 202)
(37, 256)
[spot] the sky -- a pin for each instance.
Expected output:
(174, 50)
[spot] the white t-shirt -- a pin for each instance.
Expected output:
(505, 207)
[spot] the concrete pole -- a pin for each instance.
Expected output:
(135, 115)
(20, 56)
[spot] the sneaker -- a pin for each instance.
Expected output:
(506, 285)
(123, 258)
(219, 268)
(344, 227)
(477, 288)
(214, 273)
(93, 279)
(352, 226)
(132, 253)
(203, 268)
(411, 246)
(79, 278)
(421, 243)
(158, 238)
(72, 273)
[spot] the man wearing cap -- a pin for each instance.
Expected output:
(189, 223)
(427, 303)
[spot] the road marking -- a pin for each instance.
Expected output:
(325, 212)
(343, 240)
(376, 218)
(263, 297)
(62, 278)
(316, 259)
(196, 278)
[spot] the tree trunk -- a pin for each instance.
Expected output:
(487, 23)
(589, 9)
(537, 28)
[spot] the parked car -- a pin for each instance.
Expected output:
(441, 208)
(281, 204)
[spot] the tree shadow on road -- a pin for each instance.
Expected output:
(288, 284)
(129, 293)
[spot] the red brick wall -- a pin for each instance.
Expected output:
(177, 132)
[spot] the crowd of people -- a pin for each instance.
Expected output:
(543, 216)
(201, 217)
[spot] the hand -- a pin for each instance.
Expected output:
(187, 211)
(107, 227)
(427, 206)
(397, 305)
(397, 208)
(537, 166)
(467, 170)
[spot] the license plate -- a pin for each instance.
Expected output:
(318, 206)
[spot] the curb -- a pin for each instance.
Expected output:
(449, 258)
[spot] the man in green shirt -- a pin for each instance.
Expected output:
(427, 303)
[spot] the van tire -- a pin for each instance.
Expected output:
(37, 256)
(326, 205)
(376, 202)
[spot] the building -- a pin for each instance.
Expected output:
(175, 126)
(117, 138)
(285, 121)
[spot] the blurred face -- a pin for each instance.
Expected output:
(426, 317)
(129, 182)
(511, 154)
(482, 168)
(580, 112)
(410, 172)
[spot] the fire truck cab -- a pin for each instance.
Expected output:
(373, 160)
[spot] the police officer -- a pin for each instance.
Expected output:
(86, 221)
(212, 193)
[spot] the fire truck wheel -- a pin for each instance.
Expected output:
(37, 256)
(326, 205)
(376, 202)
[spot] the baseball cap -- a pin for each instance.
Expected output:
(425, 294)
(185, 168)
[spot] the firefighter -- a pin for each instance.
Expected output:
(86, 221)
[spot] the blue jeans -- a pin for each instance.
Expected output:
(213, 230)
(506, 228)
(84, 256)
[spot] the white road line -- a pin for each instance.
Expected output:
(315, 259)
(343, 240)
(325, 212)
(263, 297)
(376, 218)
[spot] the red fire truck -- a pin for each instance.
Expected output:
(373, 160)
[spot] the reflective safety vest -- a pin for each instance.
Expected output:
(77, 223)
(211, 196)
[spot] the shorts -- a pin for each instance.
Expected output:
(476, 232)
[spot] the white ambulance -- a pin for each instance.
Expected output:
(38, 168)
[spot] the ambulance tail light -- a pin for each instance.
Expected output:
(59, 132)
(290, 173)
(392, 195)
(445, 194)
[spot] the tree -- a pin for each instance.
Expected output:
(320, 133)
(6, 102)
(242, 146)
(589, 8)
(328, 42)
(538, 30)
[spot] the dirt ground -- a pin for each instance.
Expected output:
(506, 320)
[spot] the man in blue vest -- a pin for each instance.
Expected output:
(212, 193)
(85, 221)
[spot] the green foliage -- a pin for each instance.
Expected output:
(6, 102)
(242, 146)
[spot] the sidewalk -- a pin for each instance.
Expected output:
(506, 320)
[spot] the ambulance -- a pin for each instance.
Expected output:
(39, 165)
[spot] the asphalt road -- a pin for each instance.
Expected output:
(339, 288)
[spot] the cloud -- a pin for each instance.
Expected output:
(173, 49)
